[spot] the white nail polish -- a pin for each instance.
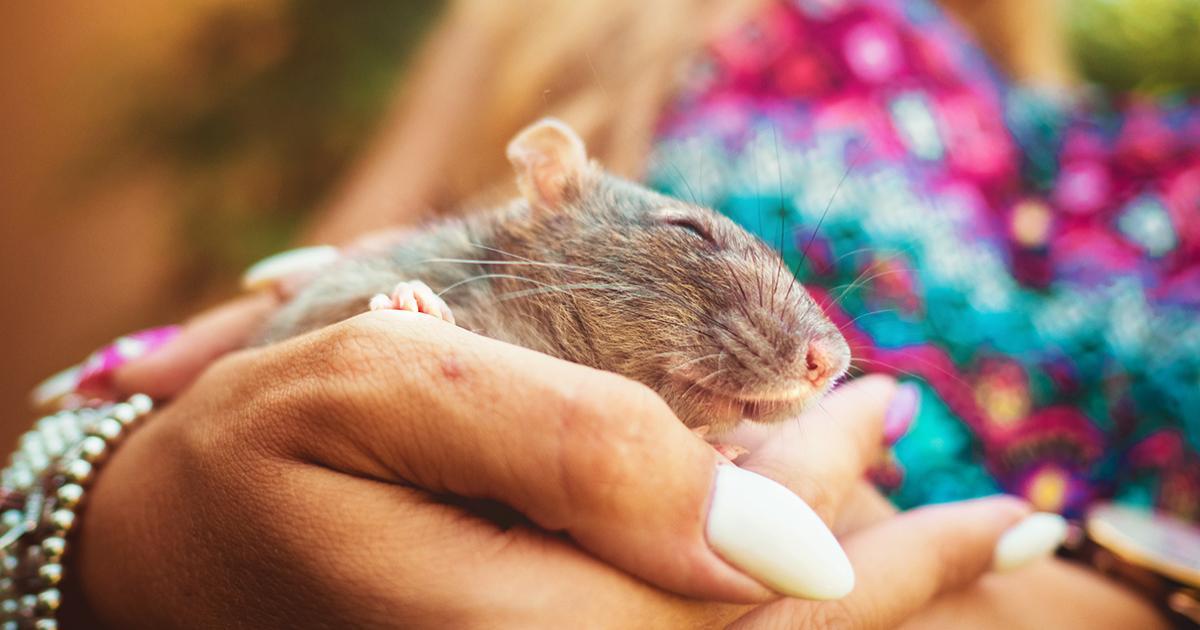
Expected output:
(765, 530)
(271, 269)
(1037, 536)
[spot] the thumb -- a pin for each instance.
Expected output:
(911, 559)
(905, 562)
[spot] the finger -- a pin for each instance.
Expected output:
(824, 453)
(458, 566)
(574, 449)
(908, 560)
(863, 507)
(166, 371)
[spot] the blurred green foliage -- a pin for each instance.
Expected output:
(1147, 46)
(268, 111)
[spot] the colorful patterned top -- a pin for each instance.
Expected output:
(1035, 266)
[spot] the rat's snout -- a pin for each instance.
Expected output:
(825, 359)
(781, 357)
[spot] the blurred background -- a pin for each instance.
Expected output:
(150, 151)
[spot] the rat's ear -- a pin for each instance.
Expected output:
(551, 162)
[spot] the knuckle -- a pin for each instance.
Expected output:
(833, 615)
(347, 349)
(812, 486)
(600, 441)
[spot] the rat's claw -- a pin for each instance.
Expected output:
(429, 303)
(403, 298)
(730, 451)
(413, 296)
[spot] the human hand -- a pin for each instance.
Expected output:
(265, 441)
(336, 477)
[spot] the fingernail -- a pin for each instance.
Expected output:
(94, 375)
(54, 388)
(1037, 536)
(900, 412)
(765, 530)
(271, 269)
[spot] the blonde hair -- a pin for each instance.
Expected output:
(607, 67)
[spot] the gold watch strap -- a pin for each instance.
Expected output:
(1153, 553)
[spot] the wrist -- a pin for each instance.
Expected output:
(45, 489)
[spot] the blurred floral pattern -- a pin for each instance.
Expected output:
(1033, 262)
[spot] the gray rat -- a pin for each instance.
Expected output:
(594, 269)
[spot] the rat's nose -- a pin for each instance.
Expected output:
(822, 361)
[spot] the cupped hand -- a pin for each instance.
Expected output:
(355, 477)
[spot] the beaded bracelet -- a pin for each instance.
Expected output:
(40, 493)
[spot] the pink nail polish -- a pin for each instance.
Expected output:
(95, 373)
(900, 412)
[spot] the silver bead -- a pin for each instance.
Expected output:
(11, 625)
(142, 403)
(124, 412)
(28, 605)
(6, 586)
(10, 563)
(9, 607)
(22, 477)
(52, 438)
(31, 442)
(45, 624)
(53, 549)
(70, 495)
(38, 462)
(12, 518)
(49, 600)
(51, 574)
(70, 427)
(34, 451)
(93, 449)
(109, 429)
(78, 471)
(63, 520)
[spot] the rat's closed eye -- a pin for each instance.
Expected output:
(693, 225)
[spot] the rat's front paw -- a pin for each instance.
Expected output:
(414, 296)
(728, 451)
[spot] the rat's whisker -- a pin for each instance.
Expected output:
(497, 250)
(867, 314)
(923, 361)
(486, 276)
(561, 288)
(701, 381)
(531, 263)
(824, 409)
(817, 229)
(861, 281)
(694, 361)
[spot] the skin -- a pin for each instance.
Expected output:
(197, 519)
(140, 566)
